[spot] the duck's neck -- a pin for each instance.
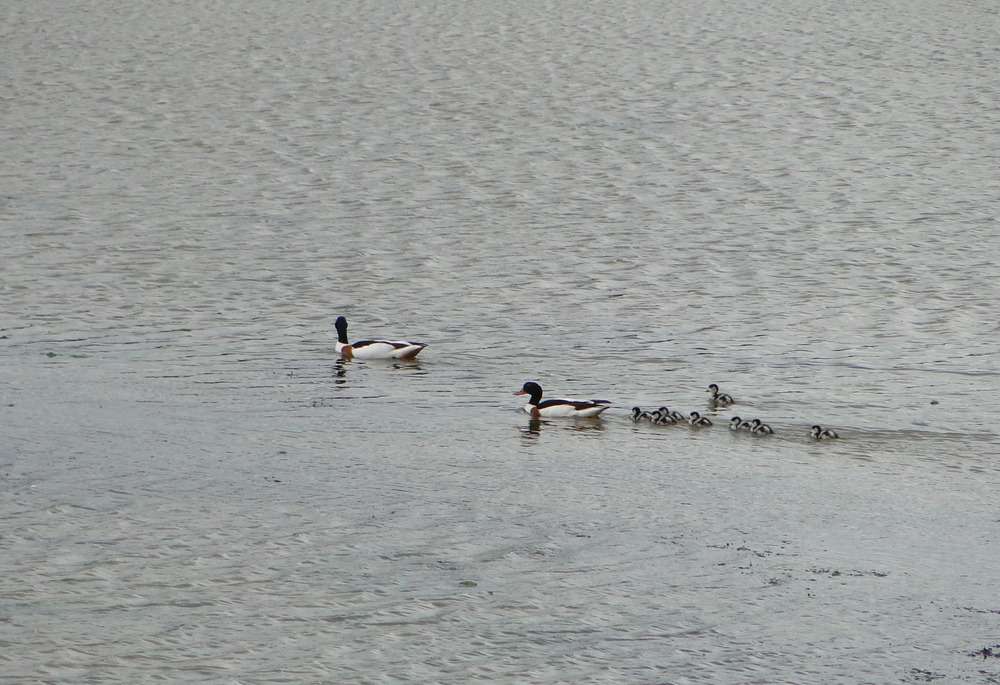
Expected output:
(536, 396)
(342, 336)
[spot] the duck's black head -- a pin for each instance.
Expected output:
(636, 411)
(533, 389)
(816, 429)
(713, 388)
(341, 325)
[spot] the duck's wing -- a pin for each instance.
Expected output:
(386, 349)
(395, 344)
(567, 407)
(575, 404)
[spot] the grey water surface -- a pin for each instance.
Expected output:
(796, 200)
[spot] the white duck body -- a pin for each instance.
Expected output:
(373, 349)
(559, 408)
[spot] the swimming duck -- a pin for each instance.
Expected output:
(820, 433)
(697, 419)
(760, 428)
(560, 408)
(719, 398)
(373, 349)
(662, 417)
(639, 415)
(738, 424)
(674, 414)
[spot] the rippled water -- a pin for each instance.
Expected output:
(795, 200)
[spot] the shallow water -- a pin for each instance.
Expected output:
(627, 201)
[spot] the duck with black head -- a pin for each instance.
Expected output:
(559, 408)
(820, 433)
(373, 349)
(719, 399)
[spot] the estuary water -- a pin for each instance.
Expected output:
(795, 200)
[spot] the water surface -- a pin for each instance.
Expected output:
(628, 201)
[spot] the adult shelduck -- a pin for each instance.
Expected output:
(561, 408)
(373, 349)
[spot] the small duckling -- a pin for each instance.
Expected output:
(639, 415)
(738, 424)
(757, 427)
(674, 414)
(662, 417)
(720, 399)
(671, 415)
(820, 433)
(698, 420)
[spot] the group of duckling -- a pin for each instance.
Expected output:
(562, 408)
(664, 416)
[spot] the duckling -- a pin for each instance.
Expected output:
(759, 428)
(720, 399)
(674, 414)
(662, 417)
(820, 433)
(738, 424)
(639, 415)
(698, 420)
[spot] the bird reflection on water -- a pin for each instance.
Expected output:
(340, 366)
(534, 428)
(339, 373)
